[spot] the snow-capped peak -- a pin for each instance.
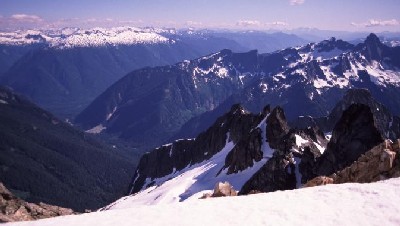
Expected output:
(75, 37)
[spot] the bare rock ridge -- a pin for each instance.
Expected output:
(291, 156)
(264, 136)
(176, 156)
(15, 209)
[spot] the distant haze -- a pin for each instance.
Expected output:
(344, 15)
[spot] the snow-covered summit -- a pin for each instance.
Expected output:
(339, 204)
(76, 37)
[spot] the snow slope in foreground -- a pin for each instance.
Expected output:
(344, 204)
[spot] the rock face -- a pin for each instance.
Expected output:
(234, 126)
(277, 127)
(381, 162)
(353, 135)
(15, 209)
(277, 174)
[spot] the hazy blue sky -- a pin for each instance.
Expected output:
(351, 15)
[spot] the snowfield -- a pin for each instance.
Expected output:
(343, 204)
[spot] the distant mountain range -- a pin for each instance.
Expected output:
(154, 105)
(64, 70)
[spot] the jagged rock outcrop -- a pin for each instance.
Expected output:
(354, 134)
(15, 209)
(261, 153)
(246, 144)
(248, 149)
(234, 126)
(381, 162)
(295, 155)
(277, 127)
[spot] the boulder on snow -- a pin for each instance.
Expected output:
(321, 180)
(221, 190)
(224, 189)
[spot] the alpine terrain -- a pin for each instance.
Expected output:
(152, 106)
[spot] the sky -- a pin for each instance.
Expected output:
(340, 15)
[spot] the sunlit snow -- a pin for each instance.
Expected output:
(331, 205)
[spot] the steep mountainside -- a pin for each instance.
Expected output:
(149, 105)
(9, 54)
(70, 67)
(64, 81)
(43, 159)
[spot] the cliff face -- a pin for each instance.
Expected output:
(353, 135)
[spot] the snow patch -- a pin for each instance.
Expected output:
(300, 141)
(96, 129)
(111, 113)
